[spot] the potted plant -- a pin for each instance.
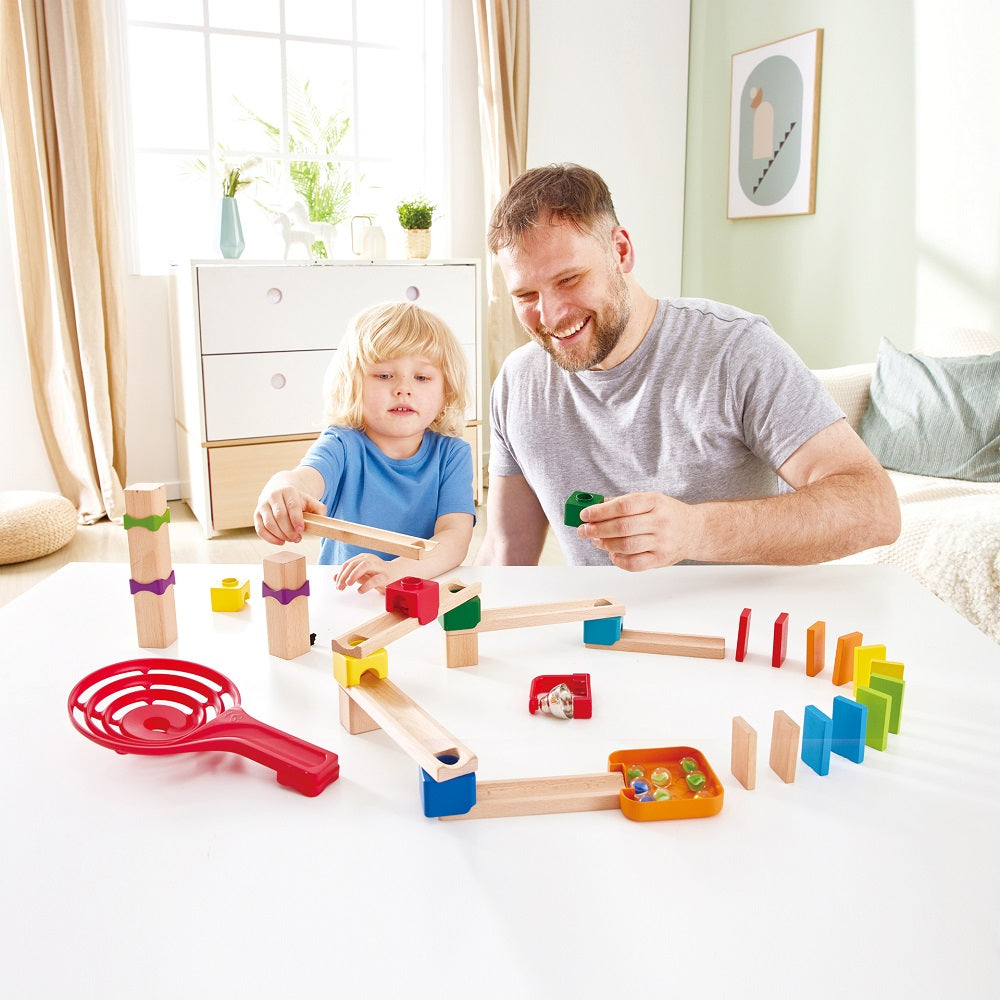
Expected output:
(415, 216)
(321, 182)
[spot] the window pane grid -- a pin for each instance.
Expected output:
(187, 120)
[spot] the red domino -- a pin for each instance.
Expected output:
(780, 639)
(743, 636)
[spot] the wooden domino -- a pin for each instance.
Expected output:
(743, 635)
(744, 753)
(780, 645)
(784, 746)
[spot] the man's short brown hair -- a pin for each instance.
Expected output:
(570, 192)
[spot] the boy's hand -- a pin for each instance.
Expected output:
(369, 572)
(278, 517)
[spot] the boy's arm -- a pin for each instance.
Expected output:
(282, 501)
(452, 532)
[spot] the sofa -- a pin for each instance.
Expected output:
(933, 419)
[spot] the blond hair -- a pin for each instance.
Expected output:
(387, 331)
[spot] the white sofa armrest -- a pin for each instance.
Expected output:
(849, 387)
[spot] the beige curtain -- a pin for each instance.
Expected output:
(502, 36)
(55, 109)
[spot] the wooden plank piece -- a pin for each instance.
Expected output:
(784, 746)
(389, 626)
(416, 733)
(527, 615)
(541, 796)
(371, 538)
(667, 643)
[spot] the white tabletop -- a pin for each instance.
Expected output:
(197, 874)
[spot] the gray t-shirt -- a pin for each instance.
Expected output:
(709, 405)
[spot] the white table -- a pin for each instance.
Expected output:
(129, 876)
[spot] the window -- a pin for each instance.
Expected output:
(197, 72)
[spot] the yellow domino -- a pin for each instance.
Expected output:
(863, 657)
(888, 668)
(349, 669)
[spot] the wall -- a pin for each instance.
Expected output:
(607, 90)
(904, 241)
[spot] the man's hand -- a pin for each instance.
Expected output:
(642, 530)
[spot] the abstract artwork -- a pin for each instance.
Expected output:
(774, 128)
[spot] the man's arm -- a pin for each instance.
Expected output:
(515, 524)
(843, 502)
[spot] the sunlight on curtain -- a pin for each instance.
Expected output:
(502, 35)
(54, 107)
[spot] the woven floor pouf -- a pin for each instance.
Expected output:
(33, 524)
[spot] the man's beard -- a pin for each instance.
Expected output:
(608, 326)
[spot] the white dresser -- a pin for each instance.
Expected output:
(251, 342)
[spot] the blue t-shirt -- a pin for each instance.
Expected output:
(408, 495)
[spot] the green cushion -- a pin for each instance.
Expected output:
(935, 416)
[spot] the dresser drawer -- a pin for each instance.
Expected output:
(308, 307)
(237, 475)
(264, 395)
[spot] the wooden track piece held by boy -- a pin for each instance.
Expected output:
(392, 542)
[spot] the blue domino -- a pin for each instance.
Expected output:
(850, 723)
(817, 737)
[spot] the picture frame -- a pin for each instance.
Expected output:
(774, 128)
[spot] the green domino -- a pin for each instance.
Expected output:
(894, 688)
(877, 734)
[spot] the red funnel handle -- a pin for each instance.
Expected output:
(300, 765)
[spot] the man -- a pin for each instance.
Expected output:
(684, 413)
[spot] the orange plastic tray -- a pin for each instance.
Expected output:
(684, 804)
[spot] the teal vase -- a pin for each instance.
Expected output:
(230, 231)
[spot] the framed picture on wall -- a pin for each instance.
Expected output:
(774, 128)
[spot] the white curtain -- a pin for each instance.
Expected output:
(502, 36)
(54, 105)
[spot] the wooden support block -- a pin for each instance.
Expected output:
(894, 687)
(743, 635)
(462, 648)
(392, 542)
(150, 563)
(287, 623)
(669, 644)
(784, 746)
(744, 753)
(352, 717)
(863, 657)
(780, 645)
(387, 627)
(815, 648)
(527, 615)
(542, 796)
(415, 732)
(817, 740)
(843, 664)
